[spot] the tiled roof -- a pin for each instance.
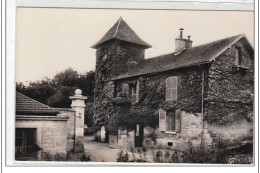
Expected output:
(121, 31)
(28, 106)
(189, 57)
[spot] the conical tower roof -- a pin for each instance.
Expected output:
(121, 31)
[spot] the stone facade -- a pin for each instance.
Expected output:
(51, 132)
(209, 95)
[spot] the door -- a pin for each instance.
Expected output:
(25, 142)
(139, 132)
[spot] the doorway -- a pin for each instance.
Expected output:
(139, 133)
(25, 142)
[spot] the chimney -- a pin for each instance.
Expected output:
(182, 43)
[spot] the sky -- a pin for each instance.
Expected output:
(50, 40)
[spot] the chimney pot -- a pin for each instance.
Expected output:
(181, 30)
(182, 43)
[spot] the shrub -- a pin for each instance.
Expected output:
(123, 157)
(203, 154)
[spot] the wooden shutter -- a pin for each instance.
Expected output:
(178, 120)
(137, 91)
(171, 88)
(169, 85)
(125, 88)
(162, 119)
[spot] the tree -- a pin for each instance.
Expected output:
(61, 97)
(67, 77)
(86, 83)
(39, 90)
(55, 92)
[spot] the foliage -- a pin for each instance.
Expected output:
(67, 77)
(55, 92)
(125, 157)
(203, 154)
(89, 113)
(39, 90)
(127, 120)
(61, 97)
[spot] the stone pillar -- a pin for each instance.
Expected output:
(78, 105)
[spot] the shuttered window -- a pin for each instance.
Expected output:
(132, 91)
(170, 120)
(171, 88)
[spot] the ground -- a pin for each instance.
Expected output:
(99, 151)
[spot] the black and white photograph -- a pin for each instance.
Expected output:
(131, 85)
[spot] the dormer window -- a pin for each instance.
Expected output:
(238, 56)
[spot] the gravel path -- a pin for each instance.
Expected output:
(98, 151)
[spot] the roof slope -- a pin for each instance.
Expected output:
(192, 56)
(121, 31)
(28, 106)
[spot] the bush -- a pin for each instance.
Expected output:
(123, 157)
(203, 154)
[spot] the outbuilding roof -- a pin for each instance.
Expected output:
(28, 106)
(121, 31)
(201, 54)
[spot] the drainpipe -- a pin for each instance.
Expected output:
(202, 100)
(74, 146)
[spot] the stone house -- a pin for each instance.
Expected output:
(41, 130)
(197, 93)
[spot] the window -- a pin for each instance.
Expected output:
(238, 56)
(170, 144)
(132, 91)
(170, 121)
(171, 88)
(25, 140)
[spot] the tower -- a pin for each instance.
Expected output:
(116, 52)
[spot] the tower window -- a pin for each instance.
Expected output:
(238, 56)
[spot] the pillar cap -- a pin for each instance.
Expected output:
(78, 92)
(78, 95)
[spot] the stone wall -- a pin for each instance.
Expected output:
(229, 96)
(51, 132)
(229, 90)
(70, 114)
(191, 129)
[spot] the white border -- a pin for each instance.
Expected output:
(152, 4)
(143, 4)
